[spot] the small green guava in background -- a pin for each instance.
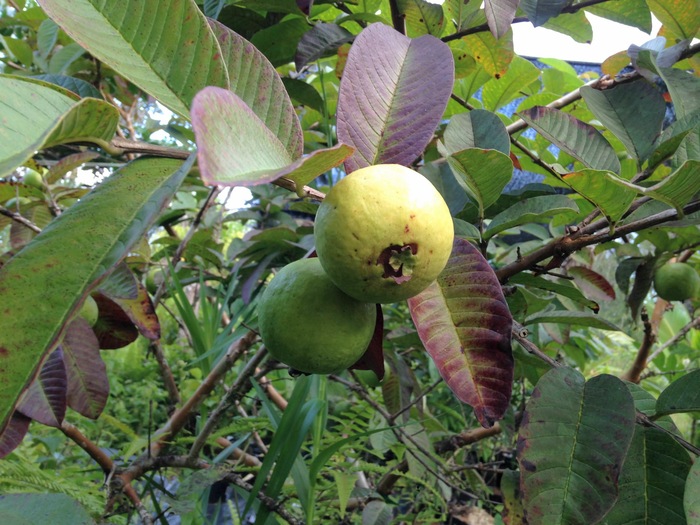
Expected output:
(676, 282)
(16, 202)
(154, 278)
(34, 179)
(383, 233)
(89, 311)
(309, 324)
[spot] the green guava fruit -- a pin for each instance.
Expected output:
(676, 282)
(383, 233)
(309, 324)
(89, 311)
(34, 179)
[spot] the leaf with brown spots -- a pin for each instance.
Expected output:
(465, 325)
(572, 444)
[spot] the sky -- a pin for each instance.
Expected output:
(608, 38)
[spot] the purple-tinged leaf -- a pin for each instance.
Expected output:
(114, 329)
(388, 107)
(14, 433)
(88, 385)
(539, 11)
(254, 79)
(580, 140)
(499, 15)
(572, 443)
(126, 291)
(45, 398)
(305, 6)
(321, 39)
(465, 325)
(234, 146)
(591, 283)
(373, 358)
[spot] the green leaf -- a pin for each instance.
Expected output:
(46, 37)
(422, 17)
(562, 288)
(79, 87)
(652, 481)
(683, 395)
(539, 11)
(19, 50)
(257, 83)
(575, 25)
(633, 112)
(137, 40)
(318, 162)
(534, 209)
(42, 116)
(572, 443)
(628, 12)
(678, 188)
(494, 55)
(580, 140)
(64, 57)
(477, 128)
(595, 186)
(45, 283)
(483, 173)
(32, 509)
(681, 18)
(503, 89)
(568, 317)
(279, 42)
(683, 86)
(691, 500)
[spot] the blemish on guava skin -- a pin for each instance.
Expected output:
(397, 262)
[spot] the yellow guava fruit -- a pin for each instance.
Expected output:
(383, 233)
(308, 323)
(676, 282)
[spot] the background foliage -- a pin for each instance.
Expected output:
(126, 132)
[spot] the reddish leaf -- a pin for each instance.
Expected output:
(465, 325)
(373, 358)
(14, 433)
(592, 284)
(388, 108)
(125, 290)
(114, 328)
(45, 398)
(88, 385)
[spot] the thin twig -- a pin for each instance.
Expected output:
(19, 219)
(695, 323)
(237, 390)
(640, 361)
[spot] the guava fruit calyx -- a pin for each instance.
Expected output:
(398, 261)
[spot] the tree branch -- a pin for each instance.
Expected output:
(119, 146)
(19, 219)
(640, 361)
(560, 248)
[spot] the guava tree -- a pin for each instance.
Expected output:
(548, 375)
